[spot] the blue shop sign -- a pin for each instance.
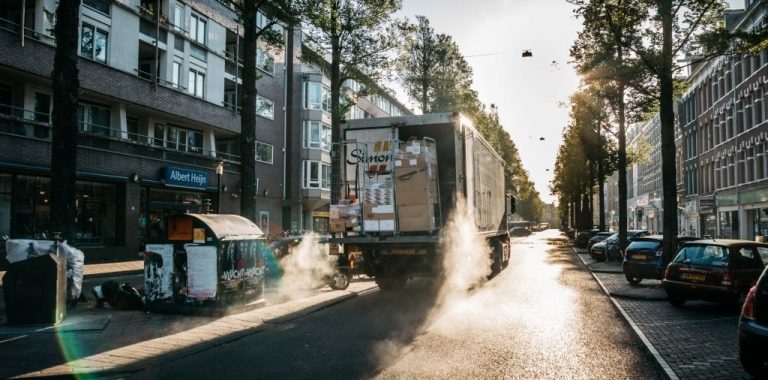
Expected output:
(178, 177)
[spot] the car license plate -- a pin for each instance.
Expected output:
(693, 276)
(639, 257)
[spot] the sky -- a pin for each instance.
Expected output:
(492, 34)
(531, 93)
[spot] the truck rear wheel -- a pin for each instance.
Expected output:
(390, 283)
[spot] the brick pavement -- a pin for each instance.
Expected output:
(696, 341)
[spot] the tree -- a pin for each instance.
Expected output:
(285, 11)
(360, 35)
(653, 33)
(418, 62)
(66, 88)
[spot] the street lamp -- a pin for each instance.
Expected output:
(219, 172)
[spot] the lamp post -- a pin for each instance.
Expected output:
(219, 172)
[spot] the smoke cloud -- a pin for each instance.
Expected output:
(466, 256)
(304, 268)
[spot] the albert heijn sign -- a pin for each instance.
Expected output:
(190, 179)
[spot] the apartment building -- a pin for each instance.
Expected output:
(159, 121)
(723, 121)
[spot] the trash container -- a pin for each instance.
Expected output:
(209, 264)
(35, 290)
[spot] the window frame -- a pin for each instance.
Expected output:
(195, 21)
(259, 100)
(198, 77)
(272, 152)
(95, 32)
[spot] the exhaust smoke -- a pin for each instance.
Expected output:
(466, 256)
(304, 268)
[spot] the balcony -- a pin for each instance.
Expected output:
(34, 125)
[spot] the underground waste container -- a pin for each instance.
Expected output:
(208, 264)
(35, 290)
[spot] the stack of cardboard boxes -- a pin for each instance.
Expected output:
(378, 208)
(345, 216)
(416, 191)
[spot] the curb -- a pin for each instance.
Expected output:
(648, 345)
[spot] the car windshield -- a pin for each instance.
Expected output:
(612, 238)
(703, 255)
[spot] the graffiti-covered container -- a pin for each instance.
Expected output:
(209, 264)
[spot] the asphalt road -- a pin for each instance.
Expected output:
(543, 317)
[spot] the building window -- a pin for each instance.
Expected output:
(316, 175)
(264, 222)
(265, 108)
(265, 62)
(94, 119)
(264, 152)
(184, 140)
(196, 83)
(197, 26)
(176, 74)
(158, 135)
(132, 125)
(178, 18)
(317, 135)
(93, 43)
(198, 52)
(261, 19)
(99, 5)
(317, 97)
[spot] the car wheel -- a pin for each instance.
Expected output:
(753, 365)
(633, 280)
(676, 300)
(339, 280)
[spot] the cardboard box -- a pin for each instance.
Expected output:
(415, 218)
(387, 225)
(337, 225)
(371, 225)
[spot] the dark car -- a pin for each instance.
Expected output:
(753, 329)
(582, 238)
(519, 231)
(600, 236)
(715, 270)
(613, 245)
(599, 249)
(643, 257)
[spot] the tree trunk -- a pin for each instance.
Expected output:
(591, 203)
(667, 115)
(601, 194)
(248, 114)
(336, 150)
(66, 87)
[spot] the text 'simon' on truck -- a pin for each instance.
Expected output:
(400, 180)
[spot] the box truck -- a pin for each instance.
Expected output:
(400, 180)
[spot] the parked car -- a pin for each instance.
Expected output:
(600, 236)
(613, 245)
(715, 270)
(599, 249)
(643, 257)
(543, 226)
(519, 231)
(582, 238)
(753, 329)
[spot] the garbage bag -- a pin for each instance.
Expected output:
(75, 269)
(22, 249)
(119, 296)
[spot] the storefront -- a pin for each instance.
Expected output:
(25, 211)
(179, 191)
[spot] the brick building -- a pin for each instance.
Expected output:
(723, 121)
(160, 83)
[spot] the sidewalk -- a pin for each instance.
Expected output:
(108, 342)
(616, 285)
